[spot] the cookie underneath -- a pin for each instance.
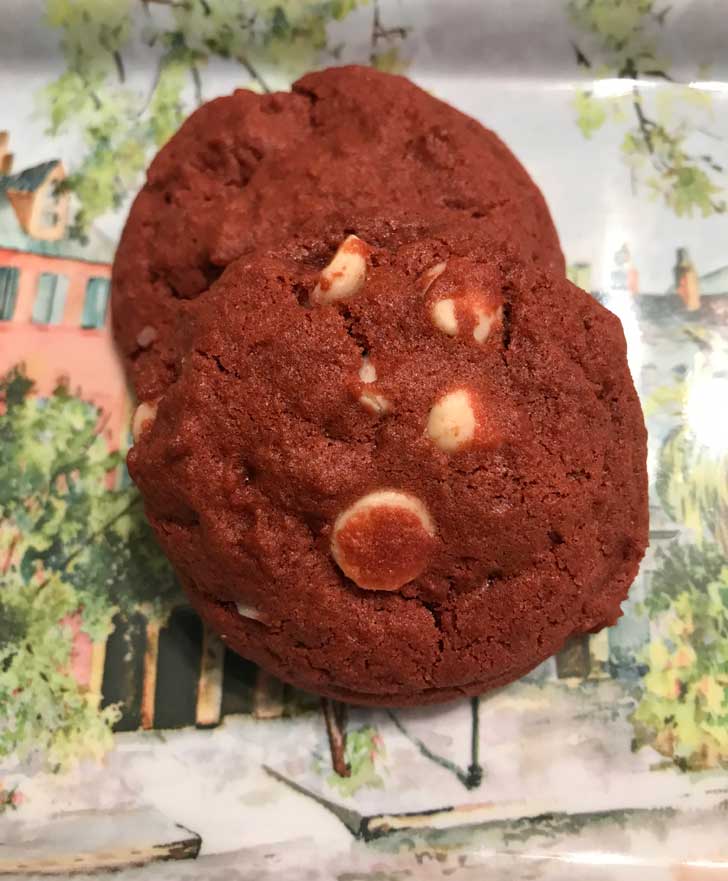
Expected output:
(247, 169)
(398, 471)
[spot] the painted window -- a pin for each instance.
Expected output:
(96, 302)
(49, 216)
(50, 299)
(8, 291)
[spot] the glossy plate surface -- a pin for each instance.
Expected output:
(128, 738)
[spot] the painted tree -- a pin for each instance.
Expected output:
(385, 44)
(120, 123)
(683, 712)
(10, 799)
(692, 474)
(356, 755)
(69, 543)
(666, 145)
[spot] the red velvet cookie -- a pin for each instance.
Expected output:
(397, 469)
(249, 169)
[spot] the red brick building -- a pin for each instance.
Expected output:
(54, 319)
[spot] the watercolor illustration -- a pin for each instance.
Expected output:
(130, 738)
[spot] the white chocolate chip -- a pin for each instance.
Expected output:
(345, 275)
(451, 423)
(386, 498)
(367, 371)
(371, 400)
(376, 403)
(146, 336)
(143, 417)
(249, 612)
(383, 540)
(444, 317)
(485, 321)
(430, 276)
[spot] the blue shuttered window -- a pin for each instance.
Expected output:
(50, 299)
(8, 291)
(95, 303)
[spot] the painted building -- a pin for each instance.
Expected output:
(54, 319)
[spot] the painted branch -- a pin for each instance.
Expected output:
(197, 82)
(335, 719)
(254, 74)
(10, 553)
(92, 538)
(659, 74)
(642, 120)
(581, 59)
(119, 62)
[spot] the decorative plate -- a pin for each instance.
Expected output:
(129, 738)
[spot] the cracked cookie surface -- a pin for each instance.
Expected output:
(441, 543)
(247, 169)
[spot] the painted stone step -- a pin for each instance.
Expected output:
(88, 841)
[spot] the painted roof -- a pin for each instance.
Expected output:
(98, 249)
(714, 282)
(29, 179)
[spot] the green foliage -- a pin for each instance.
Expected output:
(364, 750)
(686, 189)
(68, 544)
(119, 126)
(45, 711)
(389, 61)
(166, 107)
(284, 33)
(617, 24)
(683, 712)
(89, 25)
(661, 147)
(590, 112)
(692, 483)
